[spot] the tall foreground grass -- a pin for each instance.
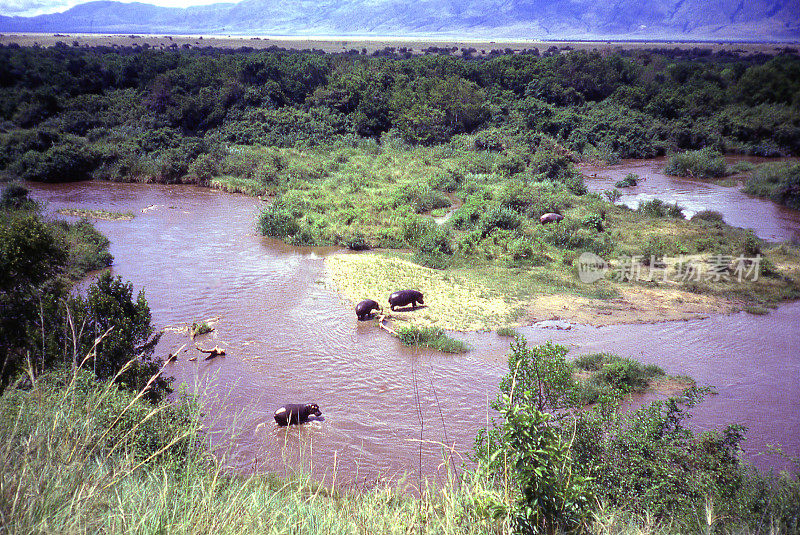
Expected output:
(81, 456)
(73, 460)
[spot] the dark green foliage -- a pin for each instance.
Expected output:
(88, 249)
(277, 222)
(44, 325)
(435, 249)
(110, 311)
(498, 218)
(67, 161)
(15, 197)
(697, 164)
(356, 241)
(562, 458)
(73, 112)
(625, 375)
(30, 252)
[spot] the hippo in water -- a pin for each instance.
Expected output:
(364, 309)
(296, 413)
(403, 297)
(550, 217)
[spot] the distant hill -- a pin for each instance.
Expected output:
(751, 20)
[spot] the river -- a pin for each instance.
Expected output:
(387, 409)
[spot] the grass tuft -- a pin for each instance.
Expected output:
(431, 337)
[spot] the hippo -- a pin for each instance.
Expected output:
(550, 217)
(364, 309)
(296, 413)
(403, 297)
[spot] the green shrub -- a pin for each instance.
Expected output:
(356, 241)
(68, 161)
(15, 197)
(509, 332)
(659, 208)
(625, 375)
(201, 328)
(779, 182)
(431, 337)
(592, 362)
(703, 163)
(655, 249)
(630, 179)
(277, 222)
(435, 249)
(498, 218)
(420, 196)
(88, 249)
(568, 234)
(593, 221)
(711, 216)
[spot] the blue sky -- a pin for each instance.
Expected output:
(29, 8)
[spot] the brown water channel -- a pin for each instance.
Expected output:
(768, 220)
(289, 338)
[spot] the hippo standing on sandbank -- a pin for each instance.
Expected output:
(550, 217)
(402, 298)
(364, 309)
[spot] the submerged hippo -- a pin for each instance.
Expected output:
(550, 217)
(403, 297)
(296, 413)
(364, 309)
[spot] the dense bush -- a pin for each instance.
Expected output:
(565, 456)
(659, 208)
(698, 164)
(125, 113)
(277, 222)
(780, 182)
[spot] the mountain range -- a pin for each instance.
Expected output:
(738, 20)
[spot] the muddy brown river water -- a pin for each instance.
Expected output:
(388, 409)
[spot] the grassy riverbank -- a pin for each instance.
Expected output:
(78, 455)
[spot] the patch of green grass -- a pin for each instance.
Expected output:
(508, 332)
(431, 337)
(756, 310)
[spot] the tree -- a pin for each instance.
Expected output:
(540, 376)
(122, 324)
(30, 256)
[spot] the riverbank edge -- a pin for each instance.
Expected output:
(457, 302)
